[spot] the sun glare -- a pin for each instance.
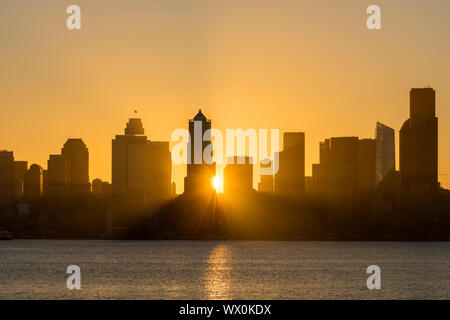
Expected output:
(216, 183)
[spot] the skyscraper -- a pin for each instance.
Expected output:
(77, 157)
(141, 169)
(57, 184)
(33, 183)
(130, 161)
(290, 178)
(6, 179)
(199, 173)
(385, 151)
(419, 141)
(342, 177)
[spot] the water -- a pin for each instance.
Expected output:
(36, 269)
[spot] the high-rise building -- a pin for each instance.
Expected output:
(199, 173)
(141, 169)
(130, 174)
(266, 183)
(238, 176)
(20, 167)
(419, 141)
(343, 165)
(6, 179)
(342, 176)
(77, 157)
(366, 164)
(33, 183)
(385, 151)
(57, 184)
(290, 178)
(320, 170)
(141, 175)
(160, 170)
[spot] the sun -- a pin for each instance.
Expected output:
(216, 183)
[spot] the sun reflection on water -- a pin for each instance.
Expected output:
(218, 273)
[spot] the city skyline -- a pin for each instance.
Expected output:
(143, 168)
(313, 71)
(217, 155)
(135, 127)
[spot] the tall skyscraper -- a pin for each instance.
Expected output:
(238, 176)
(33, 183)
(199, 173)
(20, 167)
(385, 151)
(77, 157)
(6, 179)
(130, 174)
(141, 169)
(419, 141)
(290, 178)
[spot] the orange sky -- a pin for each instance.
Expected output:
(307, 66)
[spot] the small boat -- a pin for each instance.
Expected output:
(5, 235)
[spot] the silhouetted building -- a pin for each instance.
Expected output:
(385, 200)
(6, 179)
(77, 157)
(141, 173)
(320, 170)
(97, 187)
(199, 173)
(160, 171)
(45, 182)
(106, 189)
(238, 176)
(290, 178)
(20, 167)
(419, 141)
(57, 184)
(308, 185)
(366, 164)
(101, 188)
(33, 183)
(266, 182)
(130, 161)
(342, 179)
(385, 153)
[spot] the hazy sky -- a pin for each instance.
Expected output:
(309, 66)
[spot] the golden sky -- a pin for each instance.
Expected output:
(309, 66)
